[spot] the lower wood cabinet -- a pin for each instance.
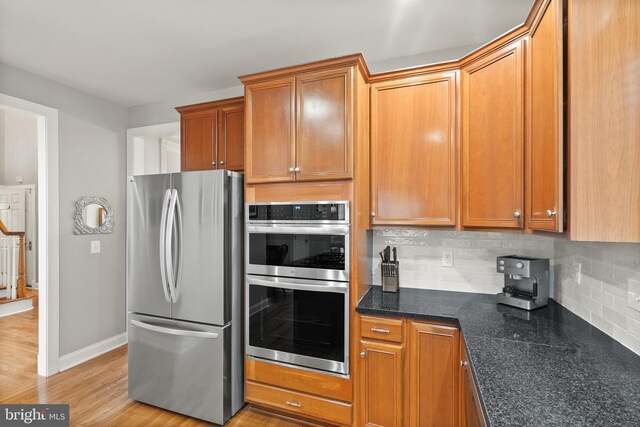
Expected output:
(471, 413)
(381, 383)
(414, 382)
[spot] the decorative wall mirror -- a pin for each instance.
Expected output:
(93, 215)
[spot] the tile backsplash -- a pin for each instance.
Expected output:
(474, 257)
(594, 280)
(607, 271)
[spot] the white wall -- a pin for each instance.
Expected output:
(425, 58)
(92, 153)
(151, 155)
(19, 146)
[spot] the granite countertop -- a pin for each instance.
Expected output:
(546, 367)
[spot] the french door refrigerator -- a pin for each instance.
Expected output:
(184, 284)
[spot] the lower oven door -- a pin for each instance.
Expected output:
(298, 322)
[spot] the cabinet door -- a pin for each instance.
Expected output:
(381, 384)
(325, 125)
(433, 380)
(545, 122)
(471, 414)
(199, 137)
(413, 151)
(270, 131)
(231, 141)
(492, 140)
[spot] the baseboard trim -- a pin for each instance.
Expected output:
(79, 356)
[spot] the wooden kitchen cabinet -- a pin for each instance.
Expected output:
(433, 357)
(212, 135)
(270, 131)
(382, 383)
(231, 141)
(545, 150)
(471, 413)
(493, 139)
(413, 150)
(301, 121)
(324, 113)
(413, 380)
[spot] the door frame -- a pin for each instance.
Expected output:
(48, 232)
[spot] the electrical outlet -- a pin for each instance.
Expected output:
(633, 300)
(95, 246)
(447, 259)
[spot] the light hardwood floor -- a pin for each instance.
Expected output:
(96, 390)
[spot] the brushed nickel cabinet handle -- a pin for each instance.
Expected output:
(213, 163)
(222, 162)
(290, 169)
(516, 214)
(550, 213)
(363, 354)
(382, 331)
(373, 214)
(463, 363)
(296, 169)
(294, 404)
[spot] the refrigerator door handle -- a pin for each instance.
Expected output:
(172, 331)
(163, 237)
(178, 273)
(168, 254)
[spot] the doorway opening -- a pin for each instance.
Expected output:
(153, 149)
(29, 234)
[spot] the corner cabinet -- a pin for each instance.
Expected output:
(408, 373)
(301, 128)
(413, 150)
(493, 139)
(471, 413)
(212, 135)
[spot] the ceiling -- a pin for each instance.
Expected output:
(143, 51)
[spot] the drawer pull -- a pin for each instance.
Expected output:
(382, 331)
(294, 404)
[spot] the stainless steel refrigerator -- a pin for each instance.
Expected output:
(184, 283)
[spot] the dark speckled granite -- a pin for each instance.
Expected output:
(547, 367)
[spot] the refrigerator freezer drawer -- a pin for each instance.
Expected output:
(180, 366)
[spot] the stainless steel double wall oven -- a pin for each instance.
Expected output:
(297, 294)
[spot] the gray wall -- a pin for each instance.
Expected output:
(92, 156)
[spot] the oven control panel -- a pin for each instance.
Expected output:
(298, 212)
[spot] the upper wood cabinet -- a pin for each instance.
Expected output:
(434, 364)
(604, 120)
(212, 135)
(270, 131)
(413, 150)
(492, 140)
(544, 154)
(301, 122)
(199, 133)
(324, 112)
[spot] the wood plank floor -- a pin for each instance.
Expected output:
(96, 390)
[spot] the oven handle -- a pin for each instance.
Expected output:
(334, 287)
(292, 229)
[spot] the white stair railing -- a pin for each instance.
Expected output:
(9, 252)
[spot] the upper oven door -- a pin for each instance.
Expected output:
(304, 251)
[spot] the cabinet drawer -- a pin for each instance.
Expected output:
(379, 328)
(302, 404)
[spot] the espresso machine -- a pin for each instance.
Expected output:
(526, 281)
